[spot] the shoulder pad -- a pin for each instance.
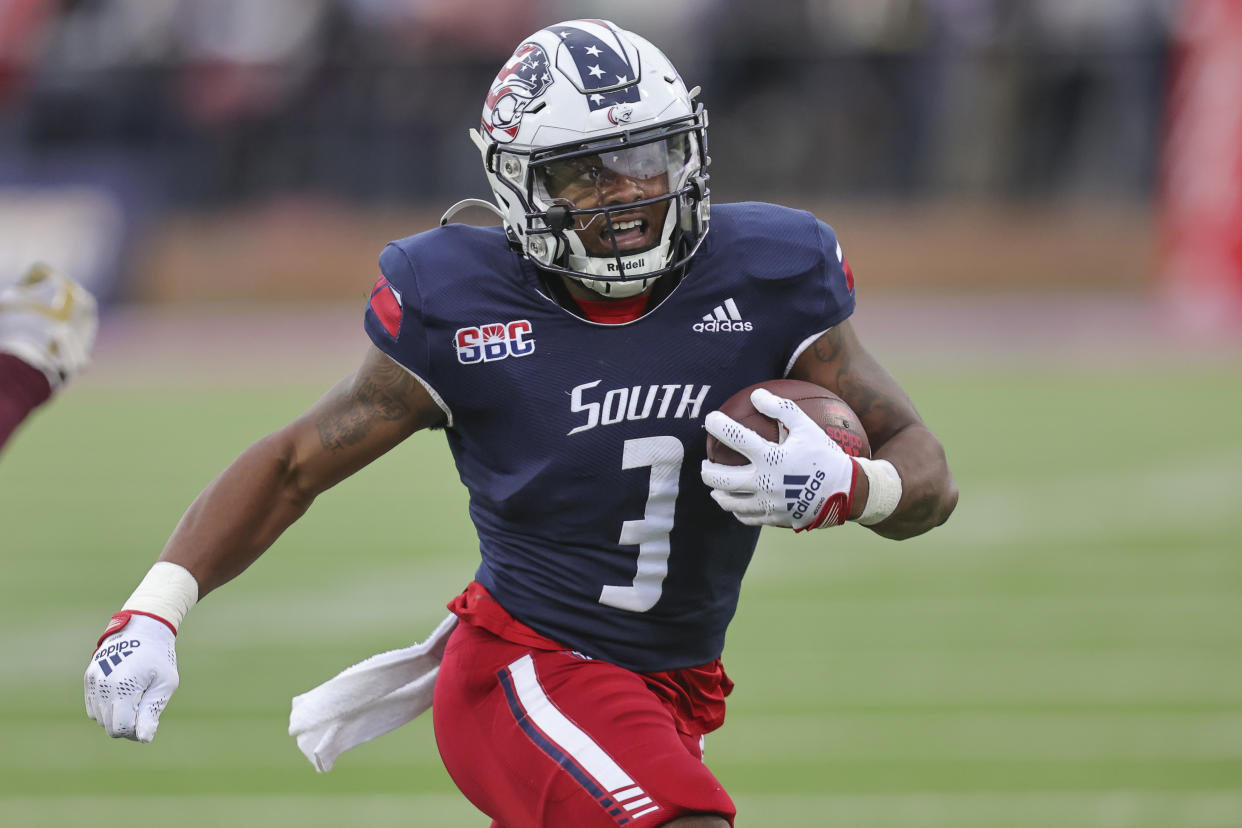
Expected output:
(768, 241)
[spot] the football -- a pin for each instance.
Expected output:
(831, 412)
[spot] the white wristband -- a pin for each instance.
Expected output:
(169, 590)
(884, 490)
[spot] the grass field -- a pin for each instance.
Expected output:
(1066, 652)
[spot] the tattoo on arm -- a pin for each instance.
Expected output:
(854, 387)
(377, 394)
(838, 360)
(338, 432)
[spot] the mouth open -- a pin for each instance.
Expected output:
(630, 233)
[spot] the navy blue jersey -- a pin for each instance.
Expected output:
(580, 443)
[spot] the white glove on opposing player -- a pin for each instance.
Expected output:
(803, 482)
(131, 676)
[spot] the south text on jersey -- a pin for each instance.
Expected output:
(594, 406)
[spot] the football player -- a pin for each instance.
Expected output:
(573, 357)
(47, 330)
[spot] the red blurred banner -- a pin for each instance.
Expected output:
(1201, 267)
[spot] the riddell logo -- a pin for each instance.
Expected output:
(724, 317)
(637, 263)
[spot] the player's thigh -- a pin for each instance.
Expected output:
(537, 738)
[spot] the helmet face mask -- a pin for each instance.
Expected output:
(603, 184)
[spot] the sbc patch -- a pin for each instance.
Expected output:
(493, 341)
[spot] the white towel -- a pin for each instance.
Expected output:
(368, 699)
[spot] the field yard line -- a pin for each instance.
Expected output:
(407, 599)
(1100, 504)
(1196, 492)
(1035, 607)
(191, 811)
(1011, 809)
(402, 604)
(1086, 737)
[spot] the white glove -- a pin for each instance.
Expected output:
(803, 482)
(131, 676)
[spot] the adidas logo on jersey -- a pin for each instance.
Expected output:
(723, 318)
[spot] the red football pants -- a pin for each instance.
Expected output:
(550, 739)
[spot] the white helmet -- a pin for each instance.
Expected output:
(597, 156)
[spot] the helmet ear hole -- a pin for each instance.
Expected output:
(511, 168)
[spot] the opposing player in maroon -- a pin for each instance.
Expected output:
(47, 330)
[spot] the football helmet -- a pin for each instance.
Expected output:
(596, 156)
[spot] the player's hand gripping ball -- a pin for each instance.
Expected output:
(779, 453)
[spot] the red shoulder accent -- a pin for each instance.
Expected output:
(386, 304)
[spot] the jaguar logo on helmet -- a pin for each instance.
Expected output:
(620, 114)
(523, 79)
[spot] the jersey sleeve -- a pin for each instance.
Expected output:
(828, 294)
(394, 314)
(836, 279)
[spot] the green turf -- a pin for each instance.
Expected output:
(1067, 651)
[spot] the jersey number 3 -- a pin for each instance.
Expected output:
(651, 534)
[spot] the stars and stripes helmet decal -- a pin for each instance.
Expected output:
(599, 63)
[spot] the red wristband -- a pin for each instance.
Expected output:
(120, 619)
(836, 509)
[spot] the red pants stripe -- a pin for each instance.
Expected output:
(547, 738)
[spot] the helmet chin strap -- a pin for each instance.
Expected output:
(636, 263)
(616, 290)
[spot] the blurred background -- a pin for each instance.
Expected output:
(1042, 203)
(222, 148)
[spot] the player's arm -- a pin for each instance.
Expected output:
(838, 361)
(273, 482)
(807, 481)
(234, 520)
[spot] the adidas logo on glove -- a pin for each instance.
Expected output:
(724, 318)
(800, 498)
(112, 655)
